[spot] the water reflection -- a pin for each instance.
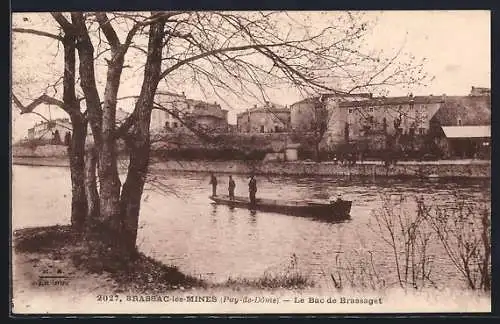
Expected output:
(214, 214)
(253, 217)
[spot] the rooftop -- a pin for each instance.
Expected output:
(379, 101)
(168, 93)
(268, 106)
(467, 131)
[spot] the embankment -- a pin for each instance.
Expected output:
(411, 169)
(442, 169)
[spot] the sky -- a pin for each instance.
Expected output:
(455, 44)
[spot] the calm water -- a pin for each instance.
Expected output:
(180, 226)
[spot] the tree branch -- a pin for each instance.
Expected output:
(38, 101)
(37, 32)
(217, 51)
(63, 22)
(108, 30)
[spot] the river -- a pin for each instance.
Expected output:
(180, 226)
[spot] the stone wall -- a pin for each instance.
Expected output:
(40, 151)
(420, 170)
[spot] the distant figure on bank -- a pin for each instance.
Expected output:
(213, 182)
(252, 188)
(56, 138)
(67, 139)
(231, 187)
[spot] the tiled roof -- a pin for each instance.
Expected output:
(382, 101)
(472, 110)
(271, 108)
(168, 93)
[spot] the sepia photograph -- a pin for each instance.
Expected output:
(250, 162)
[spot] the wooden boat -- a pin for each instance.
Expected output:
(334, 211)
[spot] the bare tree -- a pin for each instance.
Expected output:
(71, 105)
(408, 237)
(465, 234)
(242, 54)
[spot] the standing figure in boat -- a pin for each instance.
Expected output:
(213, 182)
(252, 188)
(231, 187)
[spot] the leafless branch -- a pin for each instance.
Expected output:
(37, 32)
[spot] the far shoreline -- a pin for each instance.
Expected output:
(443, 169)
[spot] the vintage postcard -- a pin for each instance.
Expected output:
(227, 162)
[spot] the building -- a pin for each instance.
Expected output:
(478, 91)
(356, 117)
(162, 120)
(48, 131)
(465, 141)
(269, 118)
(304, 114)
(462, 126)
(207, 115)
(177, 111)
(52, 131)
(385, 115)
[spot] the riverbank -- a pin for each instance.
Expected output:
(50, 276)
(410, 169)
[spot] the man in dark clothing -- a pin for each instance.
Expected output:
(57, 137)
(252, 188)
(232, 185)
(67, 139)
(213, 182)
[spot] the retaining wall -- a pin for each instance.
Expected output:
(420, 170)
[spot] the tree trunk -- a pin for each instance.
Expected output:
(102, 122)
(132, 193)
(109, 180)
(91, 186)
(486, 238)
(139, 144)
(76, 148)
(76, 152)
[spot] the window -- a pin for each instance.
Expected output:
(421, 131)
(350, 110)
(370, 109)
(262, 128)
(175, 125)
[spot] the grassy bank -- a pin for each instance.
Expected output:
(43, 249)
(82, 257)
